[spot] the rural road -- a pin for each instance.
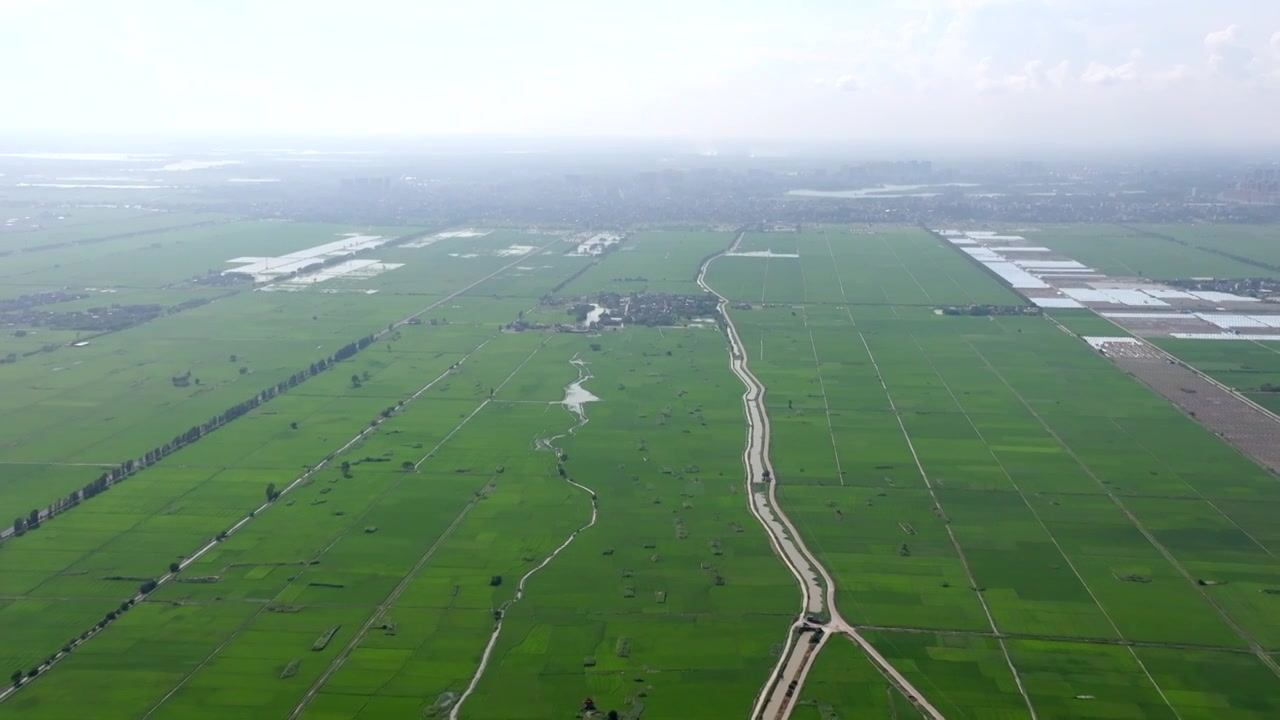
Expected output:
(777, 699)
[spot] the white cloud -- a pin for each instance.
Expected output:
(1227, 54)
(1219, 38)
(1100, 74)
(1041, 70)
(1029, 80)
(1173, 75)
(1058, 74)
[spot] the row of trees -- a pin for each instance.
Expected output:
(19, 676)
(195, 432)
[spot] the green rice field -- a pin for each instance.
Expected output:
(1018, 527)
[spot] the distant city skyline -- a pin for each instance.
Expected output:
(1123, 74)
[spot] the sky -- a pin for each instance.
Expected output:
(1067, 73)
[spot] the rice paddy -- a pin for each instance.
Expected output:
(1018, 526)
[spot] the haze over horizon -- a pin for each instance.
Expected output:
(1010, 73)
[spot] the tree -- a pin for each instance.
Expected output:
(613, 715)
(33, 519)
(293, 425)
(16, 677)
(346, 469)
(19, 526)
(174, 567)
(234, 358)
(406, 466)
(271, 492)
(364, 375)
(145, 588)
(355, 381)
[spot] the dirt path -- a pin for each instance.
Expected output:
(777, 699)
(574, 398)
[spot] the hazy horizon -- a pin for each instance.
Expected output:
(1006, 74)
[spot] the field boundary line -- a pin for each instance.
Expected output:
(1040, 521)
(1193, 489)
(191, 558)
(779, 529)
(1204, 376)
(826, 405)
(836, 267)
(44, 514)
(1179, 361)
(1133, 519)
(483, 403)
(905, 630)
(764, 283)
(964, 562)
(898, 257)
(584, 374)
(381, 608)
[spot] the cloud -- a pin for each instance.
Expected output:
(1219, 38)
(1057, 75)
(847, 83)
(1275, 43)
(1029, 80)
(1227, 54)
(1174, 75)
(1100, 74)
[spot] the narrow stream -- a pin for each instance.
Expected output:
(575, 399)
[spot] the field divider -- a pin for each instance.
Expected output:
(817, 587)
(399, 589)
(826, 403)
(1253, 644)
(1170, 357)
(484, 403)
(1192, 647)
(955, 542)
(386, 603)
(548, 444)
(373, 426)
(1196, 492)
(836, 266)
(1040, 521)
(196, 433)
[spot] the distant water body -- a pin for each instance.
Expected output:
(882, 191)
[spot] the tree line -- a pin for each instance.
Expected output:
(118, 473)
